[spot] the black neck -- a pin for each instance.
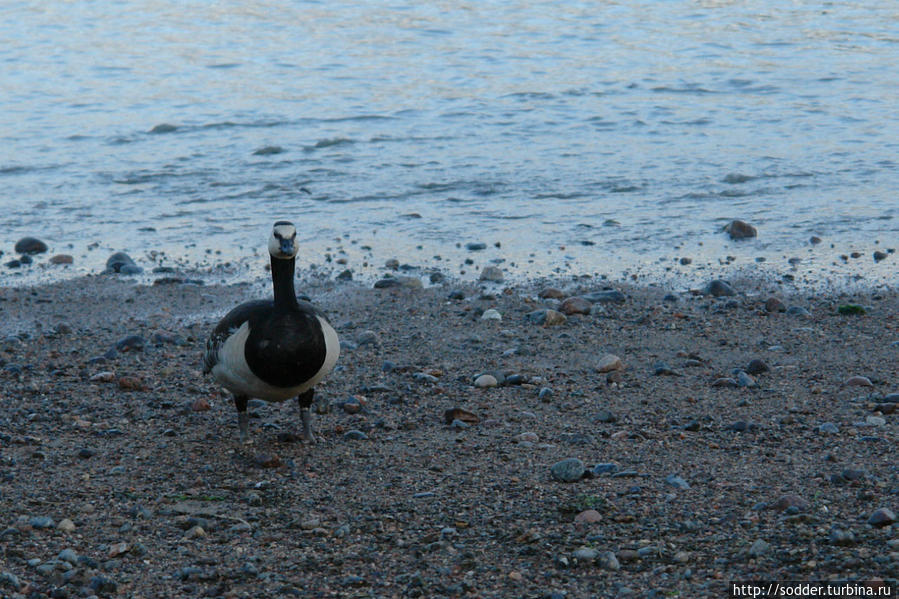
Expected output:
(282, 280)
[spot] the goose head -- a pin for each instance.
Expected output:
(283, 242)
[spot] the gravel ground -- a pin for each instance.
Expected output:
(728, 441)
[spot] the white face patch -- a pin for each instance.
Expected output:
(282, 235)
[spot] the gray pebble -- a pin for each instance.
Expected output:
(605, 468)
(131, 343)
(798, 311)
(744, 380)
(492, 274)
(841, 537)
(42, 522)
(605, 296)
(585, 554)
(759, 548)
(68, 555)
(757, 367)
(882, 517)
(102, 585)
(425, 377)
(30, 245)
(9, 580)
(391, 282)
(828, 428)
(545, 394)
(367, 338)
(459, 425)
(719, 288)
(676, 482)
(121, 263)
(568, 471)
(608, 561)
(475, 246)
(355, 435)
(605, 416)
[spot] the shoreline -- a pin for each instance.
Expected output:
(686, 479)
(818, 266)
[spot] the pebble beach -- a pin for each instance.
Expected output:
(552, 438)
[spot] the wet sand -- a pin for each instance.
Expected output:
(129, 458)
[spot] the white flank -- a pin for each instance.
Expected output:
(332, 347)
(233, 372)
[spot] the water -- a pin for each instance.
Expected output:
(584, 137)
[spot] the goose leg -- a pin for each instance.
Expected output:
(305, 401)
(243, 420)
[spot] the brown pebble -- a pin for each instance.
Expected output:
(61, 259)
(460, 414)
(131, 383)
(772, 304)
(200, 405)
(554, 318)
(265, 460)
(551, 293)
(575, 305)
(588, 516)
(118, 549)
(739, 229)
(788, 501)
(724, 382)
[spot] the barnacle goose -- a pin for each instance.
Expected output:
(273, 349)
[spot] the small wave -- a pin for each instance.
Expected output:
(530, 96)
(329, 142)
(163, 128)
(687, 89)
(16, 170)
(559, 196)
(737, 178)
(268, 151)
(23, 170)
(263, 124)
(224, 65)
(359, 117)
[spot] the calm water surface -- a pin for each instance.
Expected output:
(582, 136)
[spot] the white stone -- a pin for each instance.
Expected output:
(609, 363)
(486, 380)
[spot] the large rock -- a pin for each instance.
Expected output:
(30, 245)
(738, 229)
